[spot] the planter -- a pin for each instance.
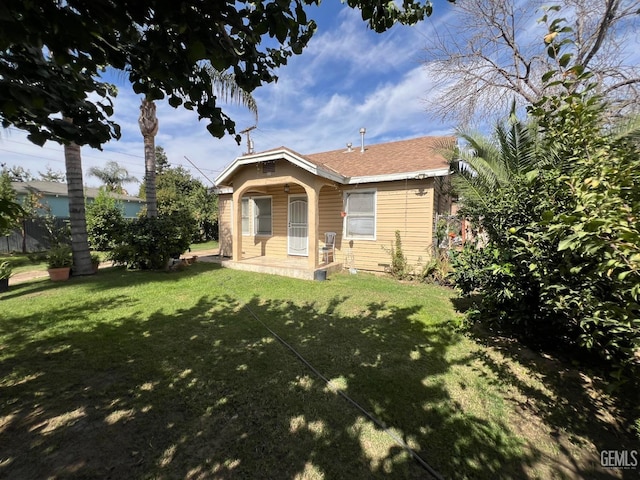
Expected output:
(4, 284)
(59, 274)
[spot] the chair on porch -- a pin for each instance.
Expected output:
(329, 246)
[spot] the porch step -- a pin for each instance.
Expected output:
(284, 271)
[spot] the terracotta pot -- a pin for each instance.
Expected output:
(59, 274)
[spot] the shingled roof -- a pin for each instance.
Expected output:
(379, 162)
(416, 154)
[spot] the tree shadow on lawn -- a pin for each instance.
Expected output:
(209, 393)
(570, 398)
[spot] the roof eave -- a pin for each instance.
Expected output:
(390, 177)
(280, 154)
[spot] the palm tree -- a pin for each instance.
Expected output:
(77, 219)
(113, 176)
(227, 89)
(488, 164)
(148, 122)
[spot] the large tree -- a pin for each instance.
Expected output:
(164, 47)
(112, 176)
(225, 87)
(490, 52)
(148, 122)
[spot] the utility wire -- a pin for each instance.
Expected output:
(379, 423)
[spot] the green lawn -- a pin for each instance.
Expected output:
(169, 375)
(37, 261)
(22, 262)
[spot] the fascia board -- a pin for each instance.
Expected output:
(442, 172)
(278, 155)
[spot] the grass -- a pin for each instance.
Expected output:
(23, 262)
(210, 245)
(158, 375)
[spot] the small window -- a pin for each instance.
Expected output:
(262, 215)
(360, 220)
(245, 216)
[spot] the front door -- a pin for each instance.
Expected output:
(298, 243)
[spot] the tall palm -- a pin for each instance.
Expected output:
(113, 176)
(75, 188)
(228, 90)
(148, 122)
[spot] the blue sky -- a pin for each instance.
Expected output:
(349, 77)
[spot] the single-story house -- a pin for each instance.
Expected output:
(279, 204)
(54, 197)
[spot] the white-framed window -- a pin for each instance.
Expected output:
(246, 216)
(360, 218)
(262, 216)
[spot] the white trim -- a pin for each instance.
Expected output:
(375, 215)
(442, 172)
(280, 154)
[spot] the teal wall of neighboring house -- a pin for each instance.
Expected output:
(59, 205)
(54, 196)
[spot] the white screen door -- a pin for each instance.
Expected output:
(298, 227)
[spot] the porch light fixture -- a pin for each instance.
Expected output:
(286, 188)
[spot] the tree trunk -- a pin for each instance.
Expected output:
(75, 188)
(148, 123)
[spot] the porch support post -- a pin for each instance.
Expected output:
(237, 226)
(313, 195)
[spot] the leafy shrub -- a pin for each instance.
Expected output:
(105, 222)
(150, 243)
(438, 268)
(399, 268)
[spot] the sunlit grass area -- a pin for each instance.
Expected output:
(175, 375)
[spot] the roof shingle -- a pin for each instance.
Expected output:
(416, 154)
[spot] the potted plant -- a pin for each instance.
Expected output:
(5, 272)
(95, 261)
(59, 262)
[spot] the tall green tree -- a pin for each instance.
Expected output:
(51, 175)
(226, 88)
(10, 209)
(113, 176)
(164, 48)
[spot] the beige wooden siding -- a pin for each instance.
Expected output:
(224, 224)
(274, 245)
(406, 207)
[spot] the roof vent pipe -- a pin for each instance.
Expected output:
(349, 145)
(362, 132)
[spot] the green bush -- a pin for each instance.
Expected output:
(150, 243)
(105, 222)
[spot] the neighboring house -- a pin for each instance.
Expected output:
(54, 197)
(280, 203)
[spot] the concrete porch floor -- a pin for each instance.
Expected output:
(294, 267)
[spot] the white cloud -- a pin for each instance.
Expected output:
(349, 77)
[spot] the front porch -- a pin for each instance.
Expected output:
(294, 267)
